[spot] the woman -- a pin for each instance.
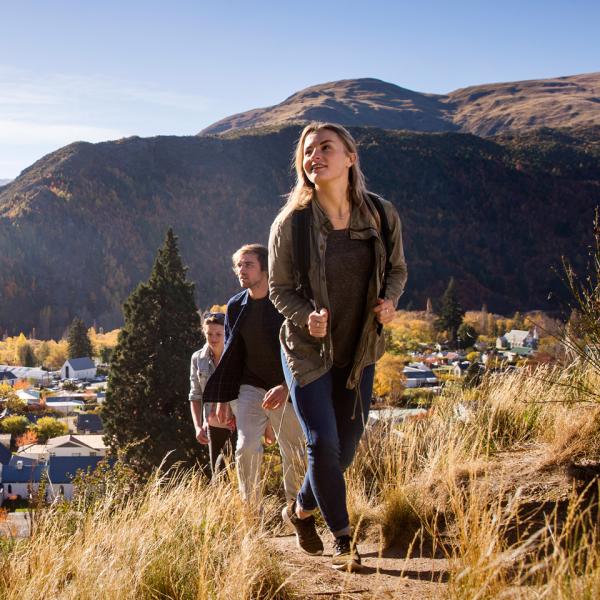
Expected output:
(331, 337)
(208, 429)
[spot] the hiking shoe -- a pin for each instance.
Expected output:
(307, 537)
(345, 555)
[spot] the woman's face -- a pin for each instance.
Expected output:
(215, 336)
(325, 158)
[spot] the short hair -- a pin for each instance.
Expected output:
(261, 253)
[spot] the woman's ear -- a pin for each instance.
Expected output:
(351, 158)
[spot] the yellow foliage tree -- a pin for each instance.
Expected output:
(57, 354)
(389, 377)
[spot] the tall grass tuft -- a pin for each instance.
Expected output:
(171, 538)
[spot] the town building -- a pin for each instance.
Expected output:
(78, 368)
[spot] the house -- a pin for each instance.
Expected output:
(418, 375)
(25, 373)
(29, 397)
(518, 338)
(66, 404)
(78, 368)
(62, 470)
(89, 423)
(66, 445)
(19, 477)
(23, 475)
(7, 376)
(516, 352)
(459, 368)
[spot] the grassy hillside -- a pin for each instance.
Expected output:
(480, 484)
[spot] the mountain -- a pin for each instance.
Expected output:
(484, 110)
(80, 227)
(4, 182)
(352, 102)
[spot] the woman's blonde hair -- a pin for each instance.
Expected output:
(304, 190)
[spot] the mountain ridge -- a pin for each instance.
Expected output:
(484, 110)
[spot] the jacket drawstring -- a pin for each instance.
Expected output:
(357, 396)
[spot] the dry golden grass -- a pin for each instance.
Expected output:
(176, 539)
(465, 482)
(438, 480)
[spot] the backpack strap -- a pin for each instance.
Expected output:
(385, 234)
(387, 239)
(301, 226)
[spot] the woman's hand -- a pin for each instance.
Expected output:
(384, 311)
(317, 323)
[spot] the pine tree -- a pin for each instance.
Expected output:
(26, 356)
(146, 414)
(451, 312)
(78, 340)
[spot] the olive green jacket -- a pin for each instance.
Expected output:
(309, 357)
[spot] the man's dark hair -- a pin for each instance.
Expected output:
(261, 253)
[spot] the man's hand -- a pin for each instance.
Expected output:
(202, 433)
(269, 435)
(275, 397)
(224, 414)
(384, 311)
(317, 323)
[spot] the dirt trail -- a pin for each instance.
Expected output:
(387, 576)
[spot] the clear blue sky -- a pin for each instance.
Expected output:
(79, 70)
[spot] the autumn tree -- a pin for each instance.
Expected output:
(146, 413)
(27, 438)
(451, 312)
(42, 353)
(389, 377)
(483, 320)
(15, 425)
(78, 340)
(57, 354)
(49, 427)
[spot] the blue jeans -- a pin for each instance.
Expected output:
(325, 409)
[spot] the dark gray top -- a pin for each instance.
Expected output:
(348, 268)
(260, 332)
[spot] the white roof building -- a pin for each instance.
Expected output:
(66, 445)
(78, 368)
(34, 373)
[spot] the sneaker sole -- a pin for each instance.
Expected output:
(286, 519)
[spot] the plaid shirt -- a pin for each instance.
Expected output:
(224, 384)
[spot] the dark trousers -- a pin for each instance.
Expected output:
(333, 425)
(218, 438)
